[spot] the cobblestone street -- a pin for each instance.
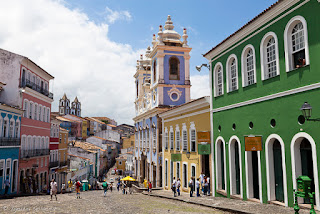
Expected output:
(95, 202)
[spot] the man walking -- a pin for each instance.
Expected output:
(70, 185)
(78, 185)
(53, 189)
(174, 185)
(198, 187)
(105, 187)
(191, 186)
(178, 186)
(7, 185)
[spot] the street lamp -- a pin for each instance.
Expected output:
(200, 66)
(188, 156)
(306, 110)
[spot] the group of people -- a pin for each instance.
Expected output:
(202, 183)
(54, 188)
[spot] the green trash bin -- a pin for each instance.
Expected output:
(85, 185)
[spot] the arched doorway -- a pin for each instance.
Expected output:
(304, 162)
(220, 165)
(253, 175)
(235, 167)
(276, 169)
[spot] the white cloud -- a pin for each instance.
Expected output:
(200, 86)
(113, 16)
(78, 52)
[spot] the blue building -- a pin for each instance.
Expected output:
(162, 81)
(10, 120)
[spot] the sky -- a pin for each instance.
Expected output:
(91, 46)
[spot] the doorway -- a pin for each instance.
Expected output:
(278, 172)
(235, 171)
(220, 165)
(307, 164)
(253, 174)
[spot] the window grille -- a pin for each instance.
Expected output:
(193, 140)
(271, 58)
(185, 140)
(177, 140)
(233, 75)
(171, 140)
(166, 140)
(219, 81)
(250, 67)
(154, 138)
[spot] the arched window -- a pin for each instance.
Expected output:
(137, 87)
(248, 66)
(218, 76)
(25, 108)
(154, 70)
(35, 111)
(269, 56)
(232, 73)
(31, 110)
(5, 127)
(17, 129)
(296, 43)
(40, 111)
(174, 68)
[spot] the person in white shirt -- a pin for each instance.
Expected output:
(53, 189)
(202, 181)
(198, 187)
(191, 186)
(174, 185)
(178, 186)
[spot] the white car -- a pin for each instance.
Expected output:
(111, 180)
(113, 172)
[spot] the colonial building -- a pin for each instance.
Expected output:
(28, 88)
(186, 142)
(261, 75)
(162, 80)
(10, 120)
(65, 107)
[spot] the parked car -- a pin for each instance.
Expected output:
(113, 172)
(111, 180)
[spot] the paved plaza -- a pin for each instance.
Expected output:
(95, 202)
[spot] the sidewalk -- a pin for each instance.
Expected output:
(226, 204)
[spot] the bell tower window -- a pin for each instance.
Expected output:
(174, 68)
(154, 70)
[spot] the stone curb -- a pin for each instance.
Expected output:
(201, 204)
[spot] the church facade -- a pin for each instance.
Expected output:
(65, 107)
(162, 81)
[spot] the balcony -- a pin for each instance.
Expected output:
(28, 153)
(53, 164)
(5, 141)
(63, 163)
(37, 88)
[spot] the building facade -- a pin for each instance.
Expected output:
(28, 88)
(65, 107)
(186, 142)
(260, 77)
(162, 80)
(10, 120)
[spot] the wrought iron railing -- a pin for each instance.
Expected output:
(28, 153)
(53, 164)
(34, 86)
(63, 163)
(5, 141)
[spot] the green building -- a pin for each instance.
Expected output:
(260, 77)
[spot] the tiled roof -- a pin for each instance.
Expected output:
(88, 146)
(248, 23)
(78, 157)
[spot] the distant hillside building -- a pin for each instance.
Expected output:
(65, 107)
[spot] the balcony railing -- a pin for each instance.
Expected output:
(53, 164)
(63, 163)
(4, 141)
(28, 153)
(37, 88)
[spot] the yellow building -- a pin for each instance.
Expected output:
(121, 164)
(186, 142)
(128, 142)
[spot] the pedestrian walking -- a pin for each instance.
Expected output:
(53, 189)
(198, 187)
(178, 186)
(205, 184)
(78, 186)
(118, 186)
(173, 186)
(105, 188)
(149, 187)
(7, 185)
(110, 186)
(70, 184)
(202, 175)
(191, 186)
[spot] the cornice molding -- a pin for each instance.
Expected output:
(38, 95)
(269, 97)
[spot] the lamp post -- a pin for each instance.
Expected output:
(200, 66)
(306, 110)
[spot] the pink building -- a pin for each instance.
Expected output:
(29, 90)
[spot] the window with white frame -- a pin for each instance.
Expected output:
(269, 56)
(154, 138)
(148, 138)
(178, 170)
(184, 138)
(248, 66)
(232, 73)
(40, 111)
(166, 139)
(171, 138)
(192, 139)
(1, 168)
(25, 108)
(177, 138)
(11, 128)
(296, 43)
(144, 139)
(166, 173)
(30, 110)
(5, 127)
(218, 75)
(185, 175)
(8, 168)
(140, 139)
(17, 129)
(35, 111)
(48, 115)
